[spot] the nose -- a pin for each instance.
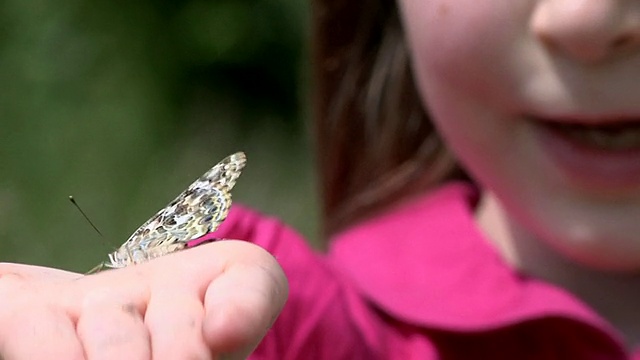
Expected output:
(589, 31)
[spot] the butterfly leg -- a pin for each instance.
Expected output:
(98, 268)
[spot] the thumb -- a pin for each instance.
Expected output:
(242, 304)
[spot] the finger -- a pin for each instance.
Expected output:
(36, 272)
(39, 333)
(242, 304)
(111, 327)
(175, 325)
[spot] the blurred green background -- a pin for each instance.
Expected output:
(122, 104)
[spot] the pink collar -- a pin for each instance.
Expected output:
(427, 264)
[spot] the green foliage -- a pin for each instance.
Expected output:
(123, 103)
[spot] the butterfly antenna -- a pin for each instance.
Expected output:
(73, 201)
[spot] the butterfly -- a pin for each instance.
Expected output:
(197, 211)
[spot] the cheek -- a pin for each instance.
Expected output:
(476, 46)
(467, 60)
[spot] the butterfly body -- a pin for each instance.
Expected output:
(199, 210)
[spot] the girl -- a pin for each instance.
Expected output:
(534, 256)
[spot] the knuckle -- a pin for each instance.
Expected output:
(12, 285)
(101, 297)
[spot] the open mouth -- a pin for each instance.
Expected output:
(622, 136)
(603, 155)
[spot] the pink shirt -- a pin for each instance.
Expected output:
(418, 282)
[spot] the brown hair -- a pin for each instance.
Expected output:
(375, 144)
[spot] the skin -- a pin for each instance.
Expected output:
(215, 301)
(487, 70)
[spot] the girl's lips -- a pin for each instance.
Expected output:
(605, 157)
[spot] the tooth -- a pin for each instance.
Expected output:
(630, 139)
(607, 139)
(601, 139)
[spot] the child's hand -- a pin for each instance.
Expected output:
(218, 298)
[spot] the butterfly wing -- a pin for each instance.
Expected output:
(195, 212)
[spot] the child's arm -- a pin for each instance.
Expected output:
(218, 298)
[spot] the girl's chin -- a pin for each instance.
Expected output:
(611, 253)
(601, 235)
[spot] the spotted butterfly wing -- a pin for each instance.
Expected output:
(199, 210)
